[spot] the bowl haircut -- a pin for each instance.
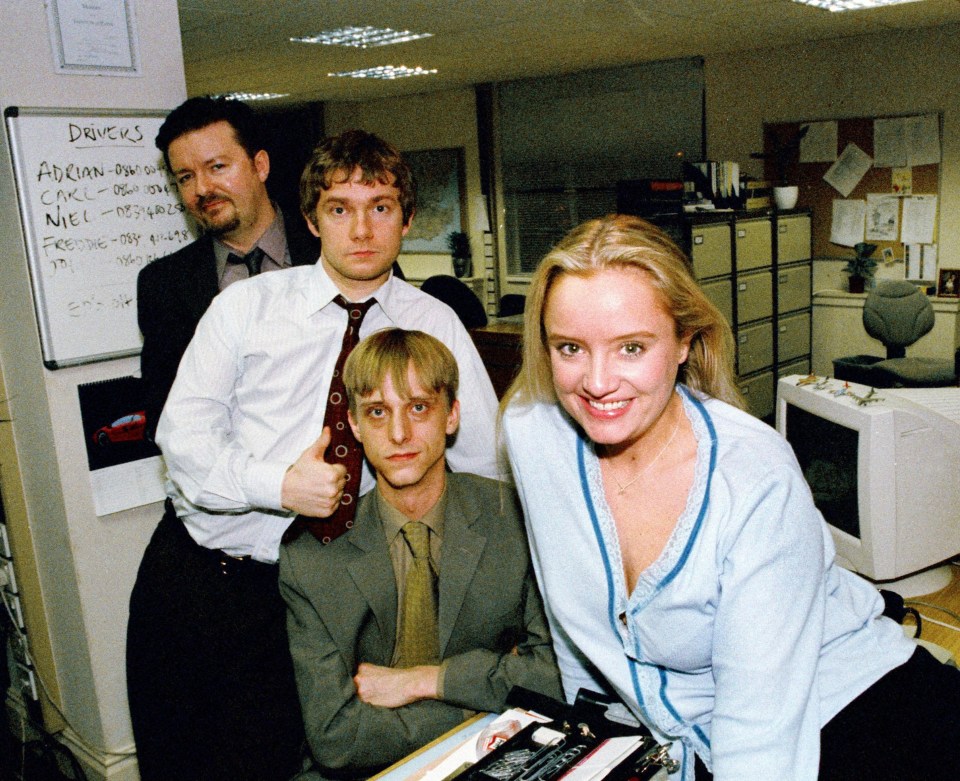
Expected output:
(393, 351)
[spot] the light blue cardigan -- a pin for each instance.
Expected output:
(743, 638)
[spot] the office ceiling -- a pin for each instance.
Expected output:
(243, 45)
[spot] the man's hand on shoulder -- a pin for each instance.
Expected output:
(391, 687)
(311, 486)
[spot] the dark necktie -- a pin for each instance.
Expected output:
(418, 638)
(343, 448)
(252, 260)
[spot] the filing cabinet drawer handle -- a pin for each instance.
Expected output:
(783, 329)
(697, 239)
(782, 228)
(783, 279)
(742, 286)
(741, 232)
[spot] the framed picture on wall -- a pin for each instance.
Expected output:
(94, 38)
(948, 283)
(438, 174)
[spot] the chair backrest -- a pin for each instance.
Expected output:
(460, 298)
(511, 304)
(897, 313)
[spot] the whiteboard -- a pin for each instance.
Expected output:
(96, 206)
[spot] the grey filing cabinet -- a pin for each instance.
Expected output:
(754, 327)
(793, 291)
(711, 253)
(756, 268)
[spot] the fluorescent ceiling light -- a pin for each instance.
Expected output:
(851, 5)
(251, 95)
(386, 72)
(361, 37)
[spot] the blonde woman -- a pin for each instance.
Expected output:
(683, 563)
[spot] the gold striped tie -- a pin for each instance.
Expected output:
(418, 641)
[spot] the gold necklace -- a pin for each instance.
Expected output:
(622, 488)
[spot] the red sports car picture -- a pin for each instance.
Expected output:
(129, 428)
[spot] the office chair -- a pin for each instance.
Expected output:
(511, 304)
(460, 298)
(897, 313)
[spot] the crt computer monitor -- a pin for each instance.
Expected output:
(884, 473)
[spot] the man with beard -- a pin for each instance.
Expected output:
(214, 150)
(250, 726)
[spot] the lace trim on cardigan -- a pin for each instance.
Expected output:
(658, 710)
(649, 580)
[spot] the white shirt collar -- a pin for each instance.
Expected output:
(322, 290)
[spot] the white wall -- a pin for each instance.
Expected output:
(75, 569)
(895, 73)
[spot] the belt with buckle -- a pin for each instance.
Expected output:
(233, 565)
(227, 563)
(237, 565)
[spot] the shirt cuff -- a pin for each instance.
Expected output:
(441, 676)
(263, 484)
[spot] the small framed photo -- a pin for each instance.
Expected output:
(888, 257)
(948, 283)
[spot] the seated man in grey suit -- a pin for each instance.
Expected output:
(427, 608)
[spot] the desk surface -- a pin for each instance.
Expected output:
(434, 750)
(504, 325)
(498, 343)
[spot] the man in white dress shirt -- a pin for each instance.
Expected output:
(244, 437)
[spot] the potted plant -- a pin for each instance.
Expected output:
(861, 266)
(459, 244)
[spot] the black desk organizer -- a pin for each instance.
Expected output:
(583, 727)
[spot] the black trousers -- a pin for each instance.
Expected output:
(906, 727)
(209, 675)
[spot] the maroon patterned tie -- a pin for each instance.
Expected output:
(343, 448)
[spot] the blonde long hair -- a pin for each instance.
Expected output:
(620, 241)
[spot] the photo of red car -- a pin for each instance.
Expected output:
(125, 440)
(129, 428)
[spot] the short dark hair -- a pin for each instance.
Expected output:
(198, 113)
(336, 158)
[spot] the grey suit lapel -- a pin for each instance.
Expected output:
(372, 573)
(460, 556)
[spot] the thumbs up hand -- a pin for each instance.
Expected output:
(311, 486)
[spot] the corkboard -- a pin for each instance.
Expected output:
(816, 194)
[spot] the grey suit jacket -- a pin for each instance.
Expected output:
(342, 610)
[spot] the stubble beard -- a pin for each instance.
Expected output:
(218, 226)
(221, 229)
